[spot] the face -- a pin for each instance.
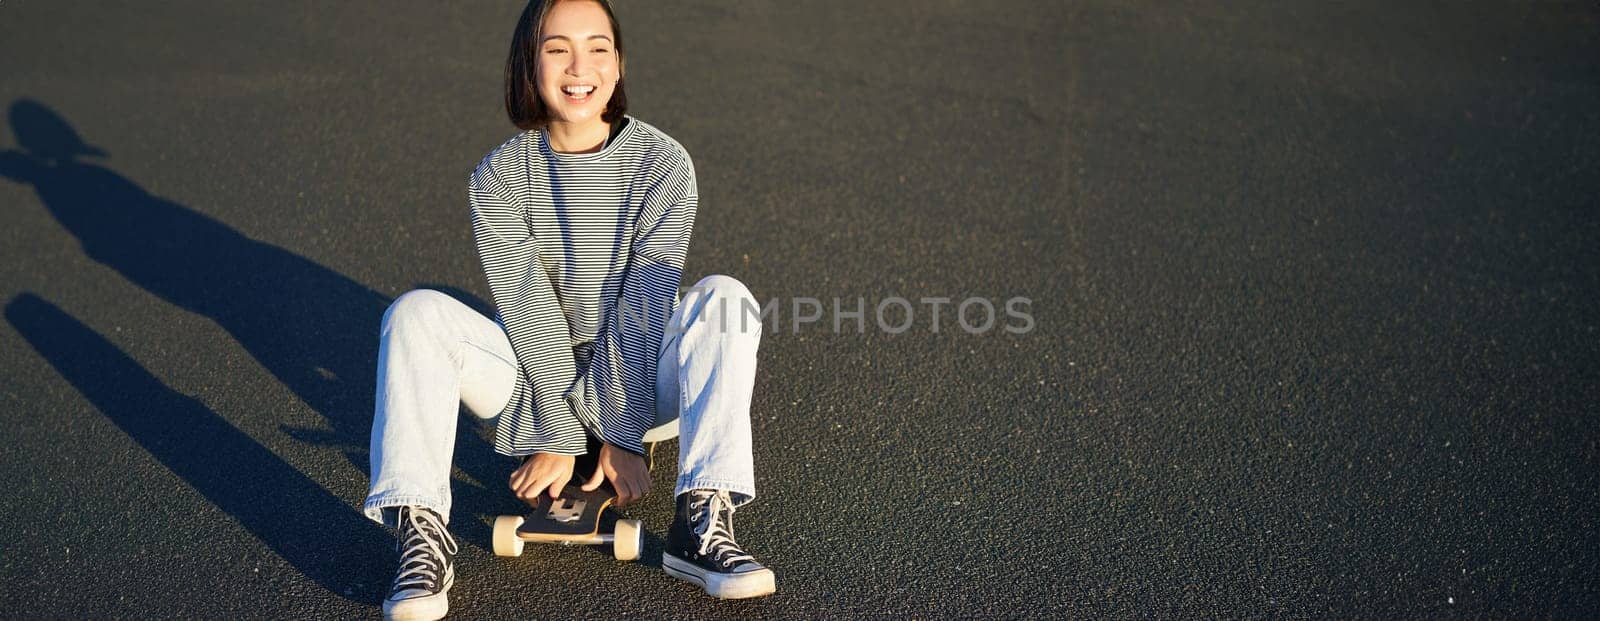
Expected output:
(578, 66)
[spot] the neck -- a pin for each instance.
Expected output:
(585, 137)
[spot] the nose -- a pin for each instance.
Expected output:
(578, 64)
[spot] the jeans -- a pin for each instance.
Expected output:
(435, 354)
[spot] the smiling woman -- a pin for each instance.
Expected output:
(572, 57)
(582, 223)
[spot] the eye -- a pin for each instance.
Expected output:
(555, 50)
(601, 50)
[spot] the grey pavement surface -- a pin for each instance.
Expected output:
(1313, 288)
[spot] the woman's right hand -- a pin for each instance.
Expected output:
(541, 472)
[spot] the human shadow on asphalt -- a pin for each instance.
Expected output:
(313, 328)
(303, 523)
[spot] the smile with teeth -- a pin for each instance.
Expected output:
(578, 92)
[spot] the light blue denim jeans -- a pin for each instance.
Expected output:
(436, 354)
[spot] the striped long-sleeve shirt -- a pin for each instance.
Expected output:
(583, 253)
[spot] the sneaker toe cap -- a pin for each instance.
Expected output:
(743, 567)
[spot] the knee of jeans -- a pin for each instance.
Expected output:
(415, 307)
(730, 305)
(719, 286)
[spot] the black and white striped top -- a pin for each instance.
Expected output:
(583, 253)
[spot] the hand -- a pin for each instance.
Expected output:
(544, 471)
(627, 472)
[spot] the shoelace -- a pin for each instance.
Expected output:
(716, 533)
(421, 564)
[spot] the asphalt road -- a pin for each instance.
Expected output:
(1313, 303)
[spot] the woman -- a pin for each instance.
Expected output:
(582, 222)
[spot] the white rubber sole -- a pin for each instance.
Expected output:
(430, 608)
(725, 586)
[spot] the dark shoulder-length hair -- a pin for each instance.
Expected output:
(523, 104)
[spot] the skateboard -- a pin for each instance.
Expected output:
(573, 519)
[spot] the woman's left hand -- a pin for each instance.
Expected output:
(626, 471)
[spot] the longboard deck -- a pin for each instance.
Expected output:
(575, 515)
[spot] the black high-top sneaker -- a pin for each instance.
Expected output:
(701, 549)
(427, 568)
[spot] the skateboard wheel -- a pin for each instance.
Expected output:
(506, 541)
(628, 540)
